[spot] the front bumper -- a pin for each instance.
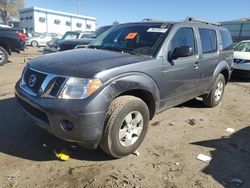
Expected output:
(87, 116)
(242, 70)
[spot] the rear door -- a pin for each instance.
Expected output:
(209, 57)
(181, 76)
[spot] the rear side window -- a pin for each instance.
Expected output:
(226, 39)
(183, 37)
(208, 40)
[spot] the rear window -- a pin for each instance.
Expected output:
(226, 39)
(208, 40)
(70, 35)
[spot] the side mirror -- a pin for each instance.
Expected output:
(182, 51)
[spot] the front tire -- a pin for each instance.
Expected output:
(126, 126)
(216, 94)
(3, 56)
(34, 44)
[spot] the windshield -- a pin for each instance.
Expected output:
(135, 38)
(242, 47)
(70, 35)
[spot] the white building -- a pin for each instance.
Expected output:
(42, 20)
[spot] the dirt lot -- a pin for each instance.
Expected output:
(167, 156)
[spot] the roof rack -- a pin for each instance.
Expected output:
(191, 19)
(148, 20)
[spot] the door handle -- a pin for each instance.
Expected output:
(196, 65)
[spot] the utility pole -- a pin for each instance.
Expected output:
(77, 6)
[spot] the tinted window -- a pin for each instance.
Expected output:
(208, 40)
(226, 40)
(132, 38)
(87, 35)
(101, 30)
(183, 37)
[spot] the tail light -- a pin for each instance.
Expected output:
(21, 36)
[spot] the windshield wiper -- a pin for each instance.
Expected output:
(119, 50)
(95, 47)
(111, 48)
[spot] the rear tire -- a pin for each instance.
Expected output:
(34, 44)
(215, 96)
(126, 126)
(3, 56)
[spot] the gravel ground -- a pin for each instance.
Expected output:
(167, 156)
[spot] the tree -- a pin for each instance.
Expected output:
(10, 9)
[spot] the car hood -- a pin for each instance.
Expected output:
(242, 55)
(54, 43)
(83, 62)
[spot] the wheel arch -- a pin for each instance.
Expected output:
(225, 73)
(138, 85)
(5, 46)
(222, 68)
(144, 95)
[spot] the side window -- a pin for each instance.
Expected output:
(183, 37)
(208, 40)
(226, 39)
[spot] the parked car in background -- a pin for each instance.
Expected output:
(242, 59)
(41, 40)
(11, 40)
(83, 41)
(53, 45)
(107, 93)
(28, 35)
(4, 26)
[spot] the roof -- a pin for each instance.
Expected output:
(147, 23)
(190, 20)
(244, 41)
(56, 12)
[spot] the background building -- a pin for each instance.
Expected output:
(239, 29)
(42, 20)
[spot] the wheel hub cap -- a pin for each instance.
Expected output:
(131, 129)
(218, 91)
(2, 56)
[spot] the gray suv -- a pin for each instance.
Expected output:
(106, 94)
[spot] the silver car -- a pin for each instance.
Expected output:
(242, 59)
(41, 40)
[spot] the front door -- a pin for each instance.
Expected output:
(181, 75)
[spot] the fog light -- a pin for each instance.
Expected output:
(66, 125)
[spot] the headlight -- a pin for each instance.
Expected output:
(79, 88)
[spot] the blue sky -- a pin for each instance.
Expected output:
(108, 11)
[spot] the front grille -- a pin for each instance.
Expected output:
(45, 84)
(33, 111)
(59, 81)
(241, 61)
(40, 77)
